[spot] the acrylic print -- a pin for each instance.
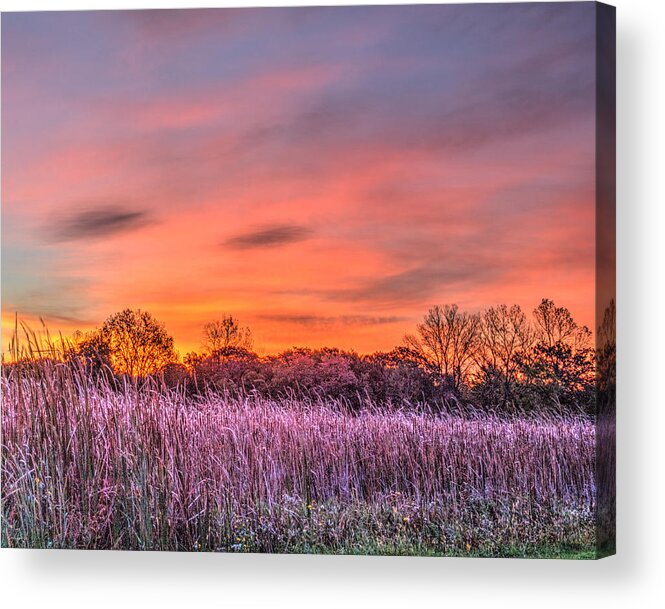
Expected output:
(310, 280)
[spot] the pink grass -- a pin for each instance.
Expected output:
(84, 466)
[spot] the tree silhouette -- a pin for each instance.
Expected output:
(447, 339)
(505, 334)
(92, 350)
(556, 325)
(138, 344)
(560, 363)
(606, 360)
(226, 333)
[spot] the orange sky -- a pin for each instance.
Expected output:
(325, 175)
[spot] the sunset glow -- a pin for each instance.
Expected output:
(325, 175)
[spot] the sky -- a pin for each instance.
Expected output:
(325, 175)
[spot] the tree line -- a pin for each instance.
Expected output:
(500, 360)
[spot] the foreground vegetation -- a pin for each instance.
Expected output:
(87, 464)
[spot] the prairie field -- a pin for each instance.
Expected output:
(143, 467)
(312, 281)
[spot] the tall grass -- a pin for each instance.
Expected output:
(87, 465)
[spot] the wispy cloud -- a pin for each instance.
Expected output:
(269, 236)
(96, 222)
(415, 285)
(322, 320)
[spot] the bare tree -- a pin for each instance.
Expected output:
(447, 339)
(505, 336)
(555, 325)
(560, 365)
(138, 344)
(226, 333)
(504, 333)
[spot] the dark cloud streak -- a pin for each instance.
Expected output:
(415, 285)
(269, 236)
(321, 320)
(96, 223)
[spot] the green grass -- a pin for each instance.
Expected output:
(407, 549)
